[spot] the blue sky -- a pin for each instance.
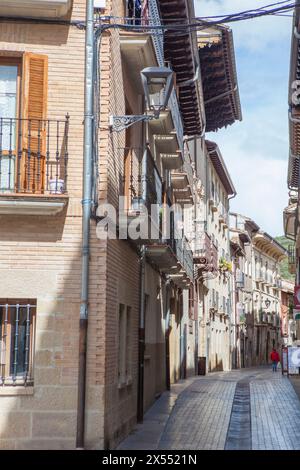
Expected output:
(256, 150)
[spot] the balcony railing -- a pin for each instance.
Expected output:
(158, 41)
(240, 279)
(185, 256)
(292, 259)
(205, 253)
(142, 184)
(33, 156)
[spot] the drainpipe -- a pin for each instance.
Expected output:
(231, 278)
(222, 95)
(167, 334)
(86, 208)
(141, 346)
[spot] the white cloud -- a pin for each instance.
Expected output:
(256, 34)
(256, 150)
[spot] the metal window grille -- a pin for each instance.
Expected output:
(17, 322)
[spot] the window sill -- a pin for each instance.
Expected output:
(32, 204)
(15, 390)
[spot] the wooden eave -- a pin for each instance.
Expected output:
(218, 71)
(179, 52)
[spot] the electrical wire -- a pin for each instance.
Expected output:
(172, 24)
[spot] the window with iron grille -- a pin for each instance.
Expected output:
(17, 329)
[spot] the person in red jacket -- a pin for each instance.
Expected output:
(275, 359)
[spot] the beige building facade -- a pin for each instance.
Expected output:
(42, 75)
(256, 293)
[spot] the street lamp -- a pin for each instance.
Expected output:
(157, 84)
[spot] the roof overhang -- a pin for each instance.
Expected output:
(268, 245)
(219, 77)
(181, 52)
(220, 167)
(294, 108)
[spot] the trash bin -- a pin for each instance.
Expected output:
(201, 365)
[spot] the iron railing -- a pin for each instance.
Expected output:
(158, 41)
(16, 352)
(142, 184)
(33, 155)
(205, 253)
(185, 256)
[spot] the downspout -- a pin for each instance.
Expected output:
(230, 287)
(167, 334)
(222, 95)
(86, 209)
(141, 343)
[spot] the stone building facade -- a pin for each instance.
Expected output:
(42, 75)
(152, 291)
(257, 292)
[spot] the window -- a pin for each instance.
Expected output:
(23, 129)
(124, 374)
(17, 328)
(191, 303)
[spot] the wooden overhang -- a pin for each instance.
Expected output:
(294, 108)
(219, 77)
(181, 52)
(220, 167)
(268, 245)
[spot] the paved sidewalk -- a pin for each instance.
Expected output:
(209, 413)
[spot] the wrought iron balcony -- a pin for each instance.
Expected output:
(292, 259)
(240, 279)
(185, 256)
(142, 184)
(33, 156)
(205, 254)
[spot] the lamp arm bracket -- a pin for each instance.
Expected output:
(120, 123)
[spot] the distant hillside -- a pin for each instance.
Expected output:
(284, 268)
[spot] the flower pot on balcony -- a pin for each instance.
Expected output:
(56, 186)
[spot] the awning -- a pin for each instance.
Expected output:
(219, 77)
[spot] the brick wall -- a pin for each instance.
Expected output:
(40, 258)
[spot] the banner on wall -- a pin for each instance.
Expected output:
(293, 360)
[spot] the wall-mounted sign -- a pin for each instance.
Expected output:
(294, 360)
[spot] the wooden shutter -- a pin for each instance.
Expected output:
(34, 113)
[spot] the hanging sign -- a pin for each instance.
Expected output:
(294, 360)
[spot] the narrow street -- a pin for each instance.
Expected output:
(244, 409)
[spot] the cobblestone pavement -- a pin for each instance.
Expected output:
(211, 413)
